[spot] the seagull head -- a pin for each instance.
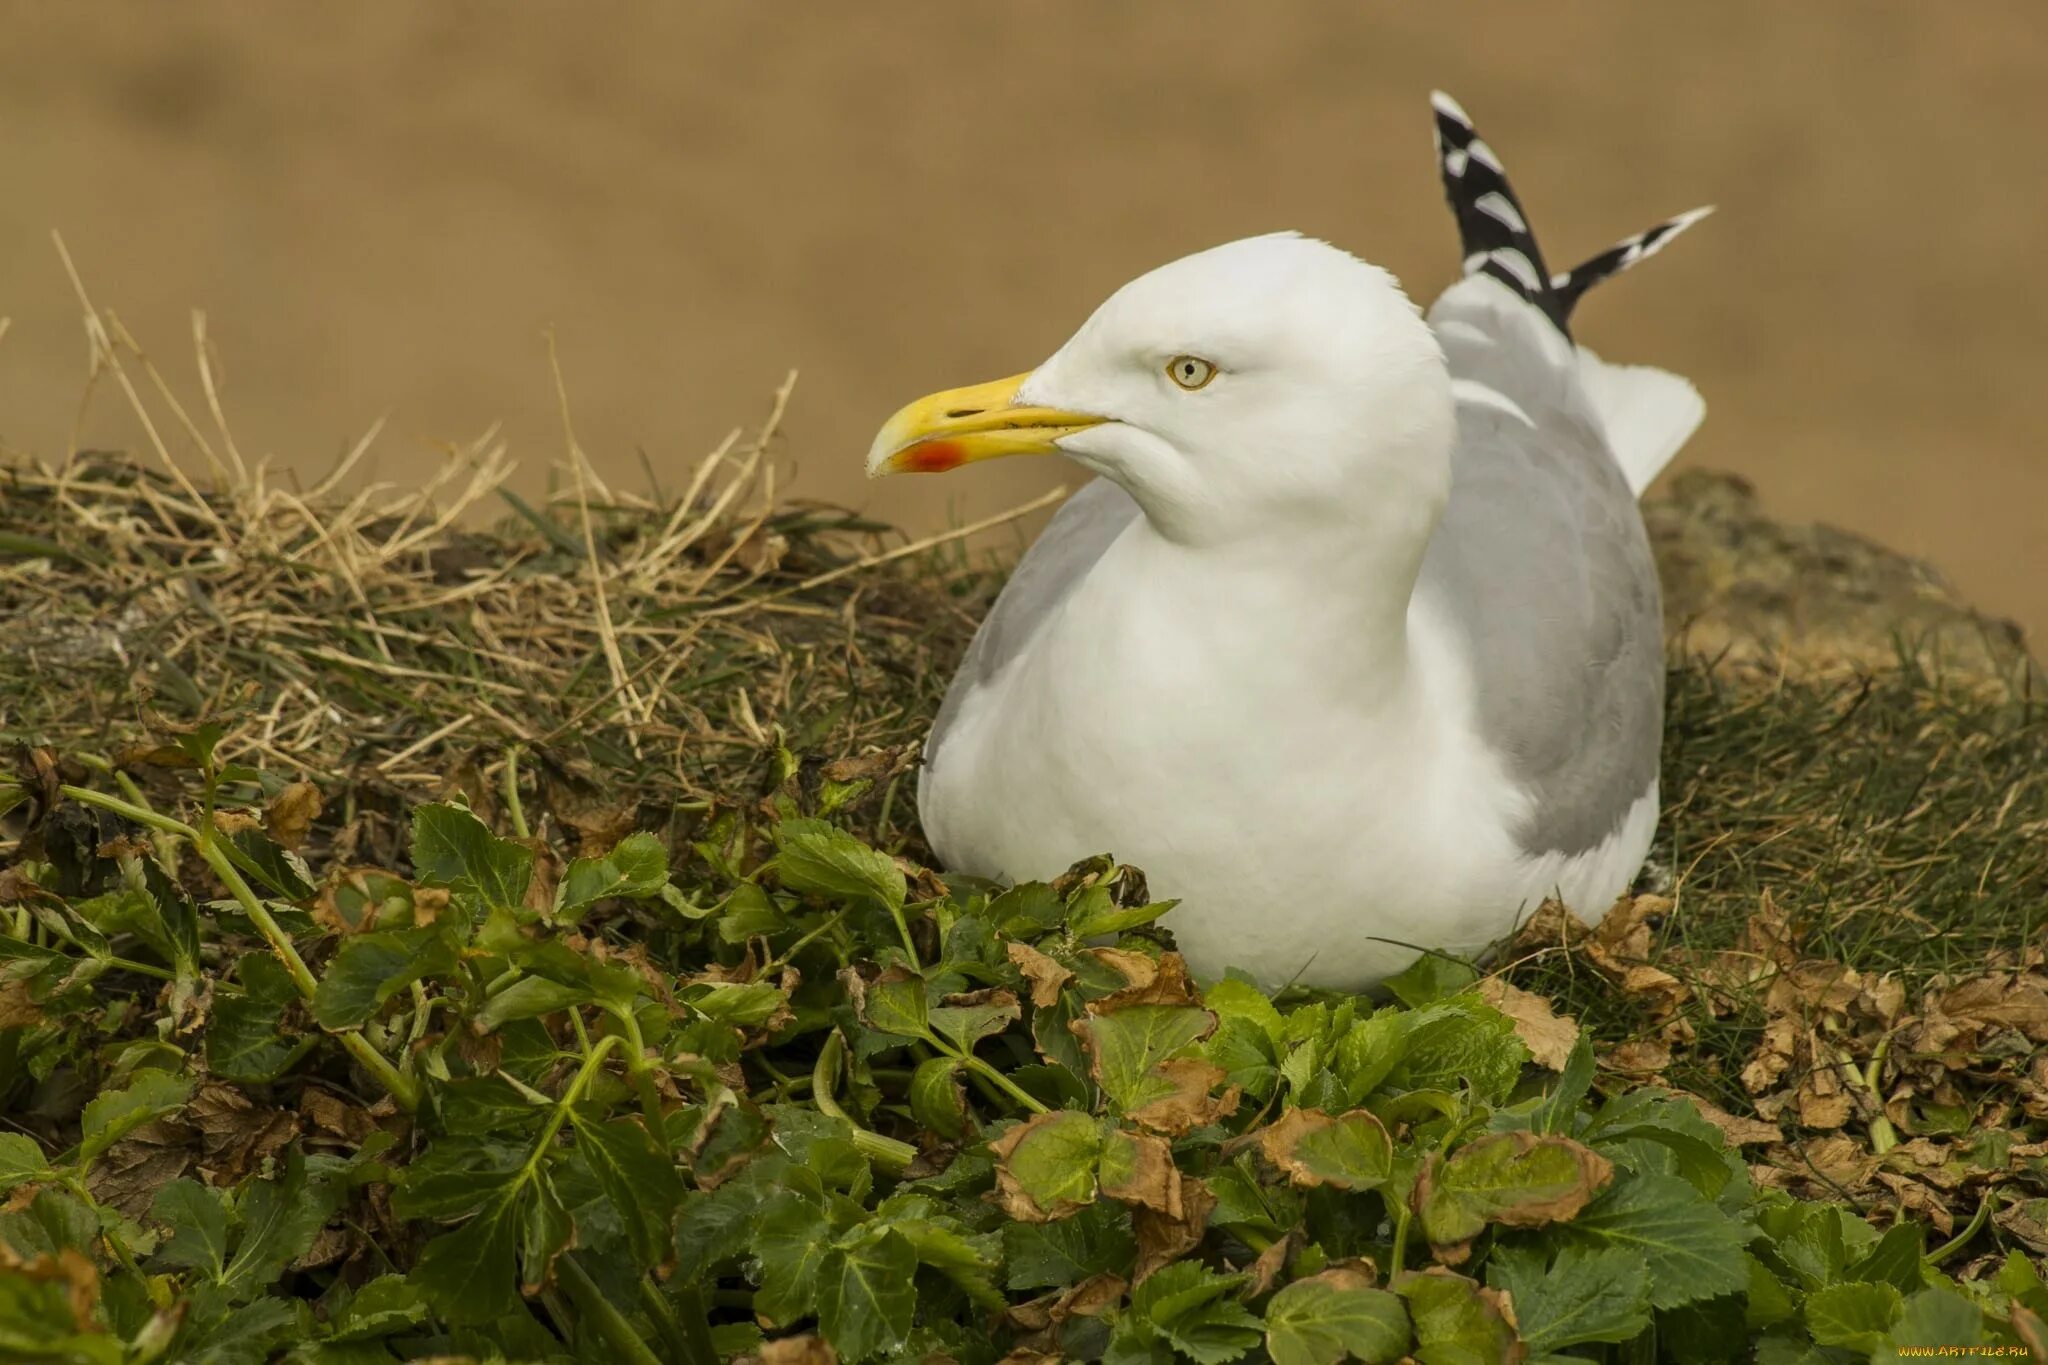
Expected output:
(1255, 388)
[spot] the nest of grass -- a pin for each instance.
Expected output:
(1848, 950)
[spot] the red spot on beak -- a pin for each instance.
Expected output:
(931, 457)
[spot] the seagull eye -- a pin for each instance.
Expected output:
(1190, 372)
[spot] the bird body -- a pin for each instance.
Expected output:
(1355, 646)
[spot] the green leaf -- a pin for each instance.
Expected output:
(1561, 1106)
(545, 1232)
(247, 1336)
(1126, 1044)
(1046, 1165)
(198, 1222)
(1896, 1259)
(1456, 1321)
(639, 1179)
(1325, 1319)
(1857, 1315)
(243, 1042)
(1094, 1241)
(468, 1275)
(452, 1178)
(1431, 978)
(812, 856)
(451, 847)
(371, 968)
(1462, 1042)
(789, 1243)
(273, 865)
(636, 868)
(383, 1307)
(529, 997)
(867, 1295)
(1583, 1296)
(21, 1160)
(279, 1220)
(1935, 1317)
(1693, 1250)
(117, 1113)
(747, 1004)
(1516, 1179)
(895, 1003)
(964, 1025)
(1095, 913)
(936, 1098)
(1350, 1151)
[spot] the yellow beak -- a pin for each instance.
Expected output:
(960, 426)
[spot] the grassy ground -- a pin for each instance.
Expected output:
(1843, 955)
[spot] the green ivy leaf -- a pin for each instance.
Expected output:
(452, 1178)
(1858, 1315)
(789, 1243)
(1935, 1316)
(936, 1098)
(1431, 978)
(1094, 913)
(636, 868)
(1125, 1045)
(867, 1294)
(243, 1041)
(21, 1160)
(279, 1220)
(1351, 1151)
(529, 997)
(451, 847)
(1463, 1042)
(1692, 1249)
(1515, 1179)
(895, 1003)
(966, 1023)
(1045, 1166)
(1584, 1295)
(641, 1182)
(373, 967)
(383, 1307)
(812, 856)
(468, 1275)
(198, 1223)
(1094, 1241)
(545, 1232)
(1457, 1322)
(1335, 1316)
(117, 1113)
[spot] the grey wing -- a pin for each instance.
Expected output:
(1543, 561)
(1077, 536)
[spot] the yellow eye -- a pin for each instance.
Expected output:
(1190, 372)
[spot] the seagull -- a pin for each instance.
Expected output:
(1355, 645)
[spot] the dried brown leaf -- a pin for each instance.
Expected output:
(1548, 1036)
(290, 815)
(1190, 1105)
(1045, 975)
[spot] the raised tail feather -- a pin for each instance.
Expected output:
(1495, 234)
(1647, 413)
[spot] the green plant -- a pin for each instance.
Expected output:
(745, 1078)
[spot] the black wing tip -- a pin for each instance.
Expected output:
(1571, 285)
(1492, 229)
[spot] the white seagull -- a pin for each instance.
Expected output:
(1355, 647)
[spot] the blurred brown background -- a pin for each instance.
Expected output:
(382, 206)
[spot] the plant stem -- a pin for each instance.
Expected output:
(597, 1311)
(1985, 1207)
(403, 1091)
(990, 1073)
(512, 806)
(577, 1085)
(884, 1151)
